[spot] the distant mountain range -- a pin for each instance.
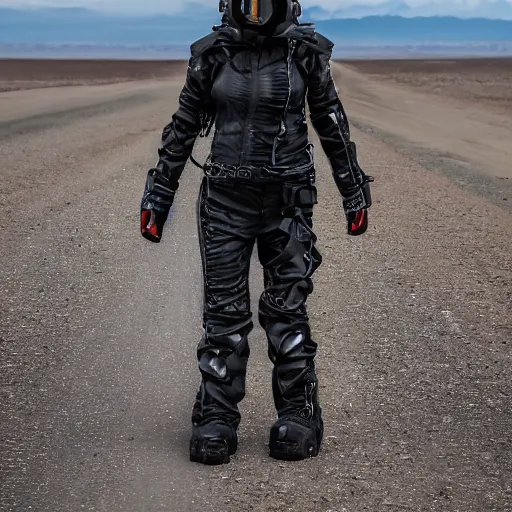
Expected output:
(57, 26)
(498, 9)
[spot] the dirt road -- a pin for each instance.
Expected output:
(413, 320)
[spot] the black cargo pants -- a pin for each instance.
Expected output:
(232, 217)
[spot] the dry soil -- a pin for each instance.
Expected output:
(98, 328)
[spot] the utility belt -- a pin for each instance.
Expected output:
(263, 174)
(299, 193)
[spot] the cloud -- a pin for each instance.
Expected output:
(332, 7)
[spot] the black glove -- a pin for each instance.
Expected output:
(156, 202)
(151, 225)
(355, 204)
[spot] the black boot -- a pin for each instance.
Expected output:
(298, 432)
(213, 443)
(214, 438)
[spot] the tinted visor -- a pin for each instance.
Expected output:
(259, 12)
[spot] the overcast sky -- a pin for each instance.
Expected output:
(170, 6)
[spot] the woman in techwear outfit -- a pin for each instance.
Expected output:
(250, 79)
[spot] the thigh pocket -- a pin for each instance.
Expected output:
(301, 195)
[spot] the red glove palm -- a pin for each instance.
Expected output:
(357, 222)
(151, 226)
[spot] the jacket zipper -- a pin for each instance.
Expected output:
(252, 106)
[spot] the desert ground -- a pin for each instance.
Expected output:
(98, 327)
(486, 82)
(19, 74)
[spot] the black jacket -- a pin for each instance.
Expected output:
(254, 91)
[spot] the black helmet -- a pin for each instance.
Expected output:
(260, 15)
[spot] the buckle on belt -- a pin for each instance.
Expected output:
(213, 170)
(245, 174)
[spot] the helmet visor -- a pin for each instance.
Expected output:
(257, 12)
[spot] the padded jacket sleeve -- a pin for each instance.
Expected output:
(178, 138)
(331, 124)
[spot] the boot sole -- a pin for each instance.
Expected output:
(288, 451)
